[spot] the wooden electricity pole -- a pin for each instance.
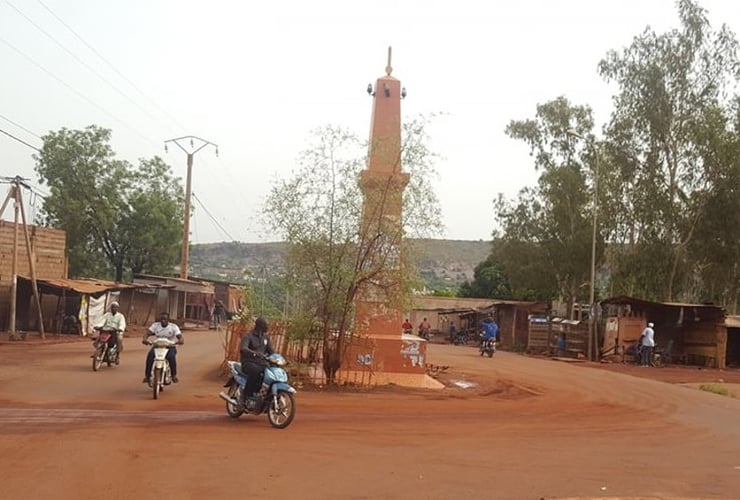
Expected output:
(194, 148)
(16, 195)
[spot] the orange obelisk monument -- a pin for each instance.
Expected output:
(391, 356)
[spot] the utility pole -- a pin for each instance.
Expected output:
(593, 347)
(16, 194)
(193, 148)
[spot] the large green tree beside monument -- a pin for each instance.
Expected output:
(668, 137)
(118, 218)
(546, 233)
(668, 190)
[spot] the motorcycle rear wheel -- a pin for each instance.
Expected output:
(156, 382)
(97, 360)
(281, 409)
(234, 411)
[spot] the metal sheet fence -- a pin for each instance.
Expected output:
(305, 355)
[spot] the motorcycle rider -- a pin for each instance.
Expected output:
(163, 329)
(452, 332)
(490, 331)
(113, 320)
(407, 327)
(255, 345)
(425, 327)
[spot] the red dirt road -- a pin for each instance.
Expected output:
(528, 428)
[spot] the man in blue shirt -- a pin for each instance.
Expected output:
(490, 331)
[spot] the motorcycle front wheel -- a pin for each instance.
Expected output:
(281, 410)
(97, 360)
(658, 361)
(233, 410)
(156, 382)
(490, 353)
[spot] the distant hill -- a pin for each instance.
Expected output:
(441, 263)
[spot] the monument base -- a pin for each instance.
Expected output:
(380, 359)
(412, 380)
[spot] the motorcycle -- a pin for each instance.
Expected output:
(656, 358)
(461, 338)
(105, 349)
(488, 347)
(275, 396)
(160, 375)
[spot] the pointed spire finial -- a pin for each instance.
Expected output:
(389, 68)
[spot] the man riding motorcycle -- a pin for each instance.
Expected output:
(407, 327)
(163, 329)
(113, 320)
(490, 332)
(255, 345)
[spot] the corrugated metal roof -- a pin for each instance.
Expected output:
(732, 321)
(625, 299)
(84, 286)
(190, 281)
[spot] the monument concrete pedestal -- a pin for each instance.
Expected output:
(389, 356)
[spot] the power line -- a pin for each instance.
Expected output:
(208, 213)
(110, 65)
(77, 92)
(79, 60)
(20, 126)
(19, 140)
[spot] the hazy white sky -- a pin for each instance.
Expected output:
(257, 77)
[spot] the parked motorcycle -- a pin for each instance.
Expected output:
(488, 347)
(275, 396)
(106, 351)
(461, 338)
(160, 375)
(656, 359)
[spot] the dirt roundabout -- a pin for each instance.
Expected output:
(508, 427)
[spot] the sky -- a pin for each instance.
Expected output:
(256, 78)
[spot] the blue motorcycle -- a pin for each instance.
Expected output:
(275, 396)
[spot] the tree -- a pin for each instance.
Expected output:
(151, 224)
(670, 86)
(489, 281)
(715, 247)
(336, 250)
(116, 216)
(545, 237)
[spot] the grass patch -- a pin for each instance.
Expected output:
(715, 389)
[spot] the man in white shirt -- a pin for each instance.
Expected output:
(163, 329)
(648, 344)
(113, 320)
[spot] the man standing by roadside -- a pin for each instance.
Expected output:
(648, 345)
(219, 311)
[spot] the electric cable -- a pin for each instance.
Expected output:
(20, 126)
(79, 60)
(113, 67)
(20, 140)
(75, 91)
